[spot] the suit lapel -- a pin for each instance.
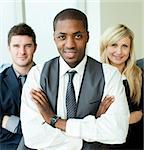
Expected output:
(91, 89)
(12, 84)
(50, 80)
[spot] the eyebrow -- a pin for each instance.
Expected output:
(73, 33)
(15, 44)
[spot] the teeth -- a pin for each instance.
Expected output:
(70, 51)
(70, 54)
(117, 57)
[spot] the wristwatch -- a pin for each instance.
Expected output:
(53, 120)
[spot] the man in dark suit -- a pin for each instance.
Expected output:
(22, 46)
(50, 121)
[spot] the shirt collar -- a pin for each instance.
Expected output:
(123, 77)
(64, 67)
(17, 73)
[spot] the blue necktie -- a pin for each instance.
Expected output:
(21, 82)
(70, 97)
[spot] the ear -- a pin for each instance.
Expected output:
(54, 36)
(35, 48)
(87, 36)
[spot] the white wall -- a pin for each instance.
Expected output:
(142, 29)
(129, 12)
(39, 15)
(93, 13)
(10, 14)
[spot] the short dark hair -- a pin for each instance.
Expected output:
(21, 29)
(71, 13)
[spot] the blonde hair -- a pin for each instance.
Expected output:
(131, 71)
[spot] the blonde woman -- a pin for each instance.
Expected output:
(117, 49)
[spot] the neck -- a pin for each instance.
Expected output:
(120, 67)
(23, 70)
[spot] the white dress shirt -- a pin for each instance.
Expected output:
(110, 128)
(63, 81)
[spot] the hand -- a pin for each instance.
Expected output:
(104, 105)
(135, 116)
(5, 121)
(43, 105)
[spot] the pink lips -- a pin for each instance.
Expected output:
(117, 57)
(70, 53)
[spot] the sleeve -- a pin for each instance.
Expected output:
(12, 124)
(36, 134)
(112, 126)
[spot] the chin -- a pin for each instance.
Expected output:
(23, 64)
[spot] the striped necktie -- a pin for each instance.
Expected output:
(70, 97)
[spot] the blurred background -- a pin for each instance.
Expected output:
(39, 14)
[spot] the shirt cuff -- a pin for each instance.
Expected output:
(12, 124)
(73, 127)
(78, 127)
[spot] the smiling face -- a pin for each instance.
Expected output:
(118, 52)
(22, 49)
(71, 38)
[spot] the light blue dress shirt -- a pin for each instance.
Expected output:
(3, 66)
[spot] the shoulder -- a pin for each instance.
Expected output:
(52, 61)
(3, 67)
(35, 70)
(6, 72)
(51, 65)
(92, 63)
(38, 68)
(109, 68)
(111, 71)
(140, 63)
(92, 60)
(6, 75)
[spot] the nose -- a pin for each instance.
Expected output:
(119, 50)
(22, 50)
(70, 43)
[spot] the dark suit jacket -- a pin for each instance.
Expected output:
(88, 100)
(140, 63)
(9, 105)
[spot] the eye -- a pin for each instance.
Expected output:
(78, 36)
(16, 46)
(28, 45)
(125, 46)
(114, 45)
(61, 37)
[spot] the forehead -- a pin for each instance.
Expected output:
(21, 39)
(124, 40)
(120, 40)
(69, 26)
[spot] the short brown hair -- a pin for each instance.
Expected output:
(21, 29)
